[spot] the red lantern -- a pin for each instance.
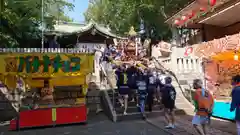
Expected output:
(184, 18)
(202, 9)
(191, 15)
(212, 2)
(177, 22)
(207, 2)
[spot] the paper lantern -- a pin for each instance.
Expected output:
(184, 18)
(202, 9)
(207, 2)
(177, 22)
(212, 2)
(191, 15)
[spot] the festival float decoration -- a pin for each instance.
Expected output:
(50, 74)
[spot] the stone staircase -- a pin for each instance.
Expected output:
(183, 106)
(181, 100)
(133, 112)
(180, 82)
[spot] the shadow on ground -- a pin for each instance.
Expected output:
(184, 126)
(97, 125)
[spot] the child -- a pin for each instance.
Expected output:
(168, 93)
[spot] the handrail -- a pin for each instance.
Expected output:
(110, 84)
(171, 73)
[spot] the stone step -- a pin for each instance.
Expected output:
(153, 114)
(138, 115)
(133, 109)
(130, 103)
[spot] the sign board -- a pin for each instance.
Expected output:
(46, 64)
(188, 51)
(164, 46)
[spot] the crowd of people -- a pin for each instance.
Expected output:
(144, 85)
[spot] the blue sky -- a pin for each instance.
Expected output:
(80, 7)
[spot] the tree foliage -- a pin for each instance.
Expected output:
(21, 20)
(121, 15)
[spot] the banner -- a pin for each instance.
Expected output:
(46, 64)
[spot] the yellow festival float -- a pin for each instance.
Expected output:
(54, 85)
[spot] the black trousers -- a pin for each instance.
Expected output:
(132, 94)
(150, 99)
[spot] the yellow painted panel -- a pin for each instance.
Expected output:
(10, 81)
(35, 83)
(81, 101)
(66, 81)
(10, 64)
(54, 114)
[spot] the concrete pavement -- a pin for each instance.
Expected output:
(100, 125)
(184, 126)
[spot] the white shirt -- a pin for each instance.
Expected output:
(162, 77)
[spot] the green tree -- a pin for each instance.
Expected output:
(121, 15)
(21, 20)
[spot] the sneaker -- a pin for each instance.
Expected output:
(137, 105)
(170, 126)
(124, 113)
(144, 116)
(98, 111)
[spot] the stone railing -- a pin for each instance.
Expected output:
(187, 65)
(183, 65)
(167, 63)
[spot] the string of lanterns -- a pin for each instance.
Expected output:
(204, 6)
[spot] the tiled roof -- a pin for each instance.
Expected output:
(75, 28)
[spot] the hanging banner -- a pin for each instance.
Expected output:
(216, 46)
(46, 65)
